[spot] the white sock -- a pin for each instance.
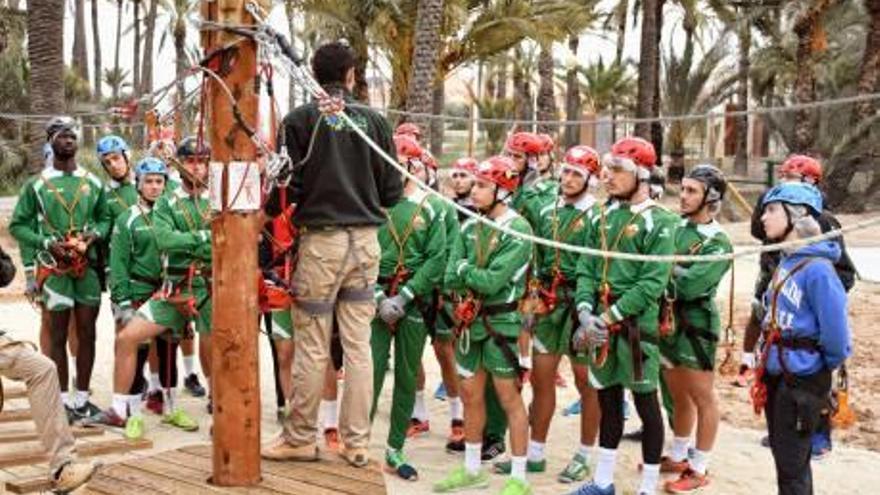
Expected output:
(155, 383)
(650, 477)
(518, 467)
(472, 457)
(65, 399)
(536, 451)
(679, 448)
(700, 462)
(455, 408)
(120, 405)
(80, 398)
(584, 451)
(134, 405)
(168, 403)
(420, 412)
(188, 365)
(331, 413)
(605, 467)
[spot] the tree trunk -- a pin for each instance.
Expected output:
(572, 97)
(80, 61)
(45, 31)
(623, 9)
(869, 82)
(96, 42)
(648, 59)
(438, 126)
(546, 97)
(522, 89)
(426, 50)
(116, 67)
(136, 62)
(149, 33)
(811, 36)
(181, 125)
(741, 158)
(656, 126)
(501, 83)
(362, 57)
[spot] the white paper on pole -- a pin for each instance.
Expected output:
(244, 188)
(215, 185)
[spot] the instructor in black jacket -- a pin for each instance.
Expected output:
(340, 186)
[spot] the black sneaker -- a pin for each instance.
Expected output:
(492, 449)
(88, 410)
(455, 443)
(72, 417)
(192, 385)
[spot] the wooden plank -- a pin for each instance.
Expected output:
(15, 415)
(191, 480)
(142, 477)
(30, 435)
(269, 480)
(14, 392)
(110, 486)
(371, 474)
(29, 485)
(33, 456)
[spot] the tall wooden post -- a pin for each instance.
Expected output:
(234, 174)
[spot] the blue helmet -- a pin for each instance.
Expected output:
(111, 144)
(149, 166)
(796, 193)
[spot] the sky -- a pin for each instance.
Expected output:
(592, 47)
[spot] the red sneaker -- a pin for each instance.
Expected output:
(331, 439)
(689, 482)
(417, 428)
(667, 465)
(156, 402)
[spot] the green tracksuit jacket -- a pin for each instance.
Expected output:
(135, 264)
(183, 232)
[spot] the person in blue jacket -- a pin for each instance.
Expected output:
(806, 334)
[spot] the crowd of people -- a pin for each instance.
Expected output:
(368, 266)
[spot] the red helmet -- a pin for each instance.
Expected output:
(549, 142)
(525, 142)
(639, 150)
(407, 147)
(803, 165)
(428, 159)
(408, 129)
(583, 157)
(466, 163)
(500, 171)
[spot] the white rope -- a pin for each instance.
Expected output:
(304, 78)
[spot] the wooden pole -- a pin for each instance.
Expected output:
(235, 382)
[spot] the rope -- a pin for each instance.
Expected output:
(266, 35)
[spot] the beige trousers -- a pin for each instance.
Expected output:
(20, 361)
(335, 274)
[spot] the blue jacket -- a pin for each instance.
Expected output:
(811, 304)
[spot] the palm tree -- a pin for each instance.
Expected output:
(150, 32)
(116, 68)
(80, 61)
(179, 15)
(45, 31)
(546, 102)
(136, 61)
(115, 78)
(572, 96)
(96, 44)
(608, 87)
(648, 65)
(426, 50)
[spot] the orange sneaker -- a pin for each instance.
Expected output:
(667, 465)
(689, 482)
(417, 428)
(331, 439)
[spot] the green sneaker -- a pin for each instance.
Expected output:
(134, 428)
(180, 419)
(504, 467)
(514, 486)
(459, 479)
(396, 463)
(576, 470)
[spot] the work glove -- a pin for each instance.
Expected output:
(391, 309)
(585, 317)
(590, 335)
(122, 315)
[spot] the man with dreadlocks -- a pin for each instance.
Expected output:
(59, 216)
(616, 300)
(413, 243)
(181, 223)
(488, 269)
(690, 326)
(551, 291)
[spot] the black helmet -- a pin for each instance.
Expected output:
(60, 123)
(189, 147)
(712, 178)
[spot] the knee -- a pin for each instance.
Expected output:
(471, 395)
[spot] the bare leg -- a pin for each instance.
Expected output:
(473, 399)
(285, 366)
(85, 357)
(511, 400)
(590, 414)
(137, 331)
(445, 353)
(544, 395)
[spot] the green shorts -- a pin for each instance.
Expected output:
(166, 314)
(282, 325)
(485, 355)
(63, 292)
(694, 352)
(553, 335)
(618, 370)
